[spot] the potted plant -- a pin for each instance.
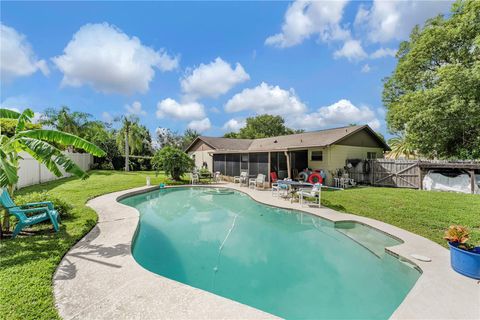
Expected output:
(464, 257)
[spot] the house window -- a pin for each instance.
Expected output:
(371, 155)
(317, 156)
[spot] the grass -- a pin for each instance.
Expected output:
(27, 263)
(425, 213)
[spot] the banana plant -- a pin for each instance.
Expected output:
(41, 144)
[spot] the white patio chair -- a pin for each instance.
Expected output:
(255, 182)
(241, 178)
(279, 190)
(314, 193)
(352, 182)
(336, 182)
(194, 178)
(217, 176)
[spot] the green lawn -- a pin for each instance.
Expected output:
(426, 213)
(27, 264)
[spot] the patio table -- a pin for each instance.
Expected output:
(293, 186)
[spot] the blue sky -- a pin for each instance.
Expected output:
(207, 65)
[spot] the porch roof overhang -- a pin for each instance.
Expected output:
(268, 150)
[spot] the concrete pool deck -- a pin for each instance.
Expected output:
(99, 279)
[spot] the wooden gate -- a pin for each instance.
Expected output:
(396, 173)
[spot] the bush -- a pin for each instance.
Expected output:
(173, 161)
(137, 163)
(63, 208)
(8, 126)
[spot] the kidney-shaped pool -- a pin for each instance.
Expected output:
(288, 263)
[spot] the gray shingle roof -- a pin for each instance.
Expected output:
(227, 143)
(319, 138)
(307, 139)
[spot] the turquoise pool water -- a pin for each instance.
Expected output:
(290, 264)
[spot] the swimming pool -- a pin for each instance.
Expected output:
(288, 263)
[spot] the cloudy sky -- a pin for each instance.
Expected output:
(207, 66)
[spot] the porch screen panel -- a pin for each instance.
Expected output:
(263, 163)
(219, 163)
(258, 163)
(236, 165)
(244, 162)
(253, 164)
(229, 162)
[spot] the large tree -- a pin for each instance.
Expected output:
(131, 137)
(173, 161)
(262, 126)
(433, 96)
(64, 120)
(188, 136)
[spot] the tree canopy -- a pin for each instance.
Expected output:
(433, 95)
(173, 161)
(262, 126)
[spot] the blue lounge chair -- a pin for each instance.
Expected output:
(30, 213)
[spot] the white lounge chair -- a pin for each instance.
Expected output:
(314, 193)
(194, 178)
(241, 179)
(256, 182)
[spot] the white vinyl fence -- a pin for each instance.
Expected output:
(32, 172)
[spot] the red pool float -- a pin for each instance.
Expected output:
(315, 178)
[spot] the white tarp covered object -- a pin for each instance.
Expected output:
(461, 183)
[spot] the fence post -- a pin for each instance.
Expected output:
(472, 180)
(372, 171)
(39, 172)
(420, 176)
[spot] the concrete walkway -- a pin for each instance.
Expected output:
(99, 279)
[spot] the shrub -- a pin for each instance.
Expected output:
(8, 126)
(458, 234)
(173, 161)
(63, 208)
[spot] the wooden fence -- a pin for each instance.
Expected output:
(396, 173)
(405, 173)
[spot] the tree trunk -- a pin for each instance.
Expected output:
(127, 167)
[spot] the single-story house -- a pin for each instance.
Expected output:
(288, 155)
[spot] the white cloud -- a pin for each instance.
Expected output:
(306, 18)
(135, 109)
(184, 111)
(102, 56)
(383, 52)
(37, 116)
(351, 50)
(17, 58)
(234, 125)
(107, 117)
(212, 80)
(200, 125)
(265, 98)
(366, 68)
(341, 113)
(393, 20)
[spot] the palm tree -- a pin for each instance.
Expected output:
(63, 120)
(41, 145)
(401, 148)
(130, 137)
